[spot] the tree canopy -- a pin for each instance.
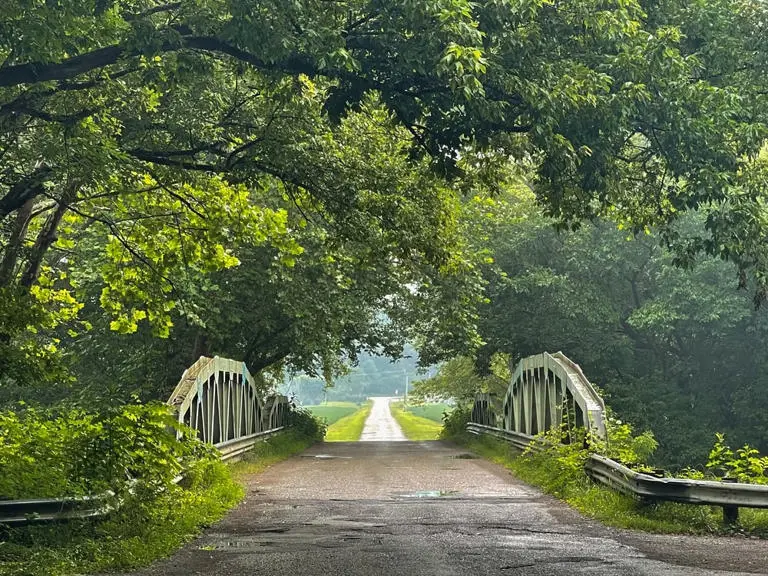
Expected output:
(679, 352)
(301, 181)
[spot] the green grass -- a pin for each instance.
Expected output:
(349, 428)
(430, 411)
(610, 507)
(270, 452)
(415, 427)
(141, 531)
(332, 412)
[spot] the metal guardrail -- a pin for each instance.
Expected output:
(49, 509)
(233, 449)
(517, 439)
(729, 495)
(19, 512)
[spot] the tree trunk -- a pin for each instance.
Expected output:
(15, 242)
(201, 346)
(46, 238)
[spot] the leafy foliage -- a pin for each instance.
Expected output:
(165, 162)
(455, 422)
(623, 445)
(71, 453)
(457, 379)
(744, 465)
(561, 453)
(304, 423)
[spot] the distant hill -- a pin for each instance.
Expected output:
(373, 376)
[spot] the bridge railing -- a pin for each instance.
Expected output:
(549, 390)
(517, 439)
(217, 397)
(546, 391)
(729, 496)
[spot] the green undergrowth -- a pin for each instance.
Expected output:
(415, 427)
(143, 530)
(332, 412)
(150, 523)
(563, 476)
(50, 453)
(349, 428)
(272, 451)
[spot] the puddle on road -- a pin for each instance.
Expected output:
(247, 544)
(465, 456)
(430, 494)
(326, 457)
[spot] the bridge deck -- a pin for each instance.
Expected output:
(407, 508)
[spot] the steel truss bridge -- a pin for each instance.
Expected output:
(226, 405)
(550, 391)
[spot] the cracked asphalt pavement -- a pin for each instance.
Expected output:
(429, 508)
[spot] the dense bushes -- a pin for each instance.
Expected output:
(306, 424)
(455, 422)
(560, 454)
(40, 455)
(71, 452)
(135, 451)
(46, 454)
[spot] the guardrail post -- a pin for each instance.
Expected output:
(730, 515)
(730, 512)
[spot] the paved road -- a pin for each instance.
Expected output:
(380, 425)
(418, 509)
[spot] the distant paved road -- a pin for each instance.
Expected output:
(418, 509)
(380, 425)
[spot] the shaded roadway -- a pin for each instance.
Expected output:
(429, 508)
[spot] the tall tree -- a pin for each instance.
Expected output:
(170, 135)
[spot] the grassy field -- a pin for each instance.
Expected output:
(415, 427)
(349, 428)
(333, 411)
(430, 411)
(610, 507)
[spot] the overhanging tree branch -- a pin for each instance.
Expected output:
(25, 189)
(36, 72)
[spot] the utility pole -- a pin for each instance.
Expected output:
(405, 401)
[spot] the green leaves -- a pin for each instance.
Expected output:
(75, 453)
(743, 465)
(203, 151)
